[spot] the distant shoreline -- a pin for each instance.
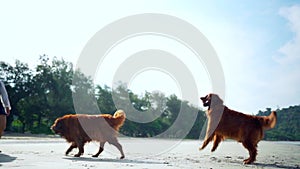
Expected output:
(25, 136)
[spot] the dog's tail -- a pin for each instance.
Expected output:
(268, 122)
(119, 119)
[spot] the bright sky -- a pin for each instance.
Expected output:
(257, 42)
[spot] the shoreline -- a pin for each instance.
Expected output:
(29, 135)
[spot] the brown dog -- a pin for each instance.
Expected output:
(79, 129)
(225, 123)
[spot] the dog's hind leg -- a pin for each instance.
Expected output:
(119, 147)
(73, 145)
(252, 152)
(205, 143)
(217, 140)
(100, 149)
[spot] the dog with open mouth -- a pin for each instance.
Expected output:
(226, 123)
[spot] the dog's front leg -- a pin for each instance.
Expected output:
(80, 145)
(217, 140)
(206, 141)
(73, 145)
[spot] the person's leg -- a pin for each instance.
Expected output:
(2, 124)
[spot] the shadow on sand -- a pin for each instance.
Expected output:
(276, 165)
(266, 165)
(114, 160)
(6, 158)
(262, 165)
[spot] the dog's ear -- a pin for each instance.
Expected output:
(204, 98)
(215, 100)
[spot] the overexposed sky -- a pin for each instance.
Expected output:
(257, 42)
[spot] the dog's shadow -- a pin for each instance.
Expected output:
(112, 160)
(4, 158)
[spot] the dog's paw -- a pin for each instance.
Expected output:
(122, 157)
(213, 149)
(95, 156)
(77, 155)
(248, 161)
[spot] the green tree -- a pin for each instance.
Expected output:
(18, 80)
(104, 100)
(84, 94)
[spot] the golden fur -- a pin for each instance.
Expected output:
(81, 128)
(226, 123)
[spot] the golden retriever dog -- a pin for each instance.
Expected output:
(79, 129)
(226, 123)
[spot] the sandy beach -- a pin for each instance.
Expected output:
(48, 153)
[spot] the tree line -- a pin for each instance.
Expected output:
(53, 88)
(288, 124)
(39, 95)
